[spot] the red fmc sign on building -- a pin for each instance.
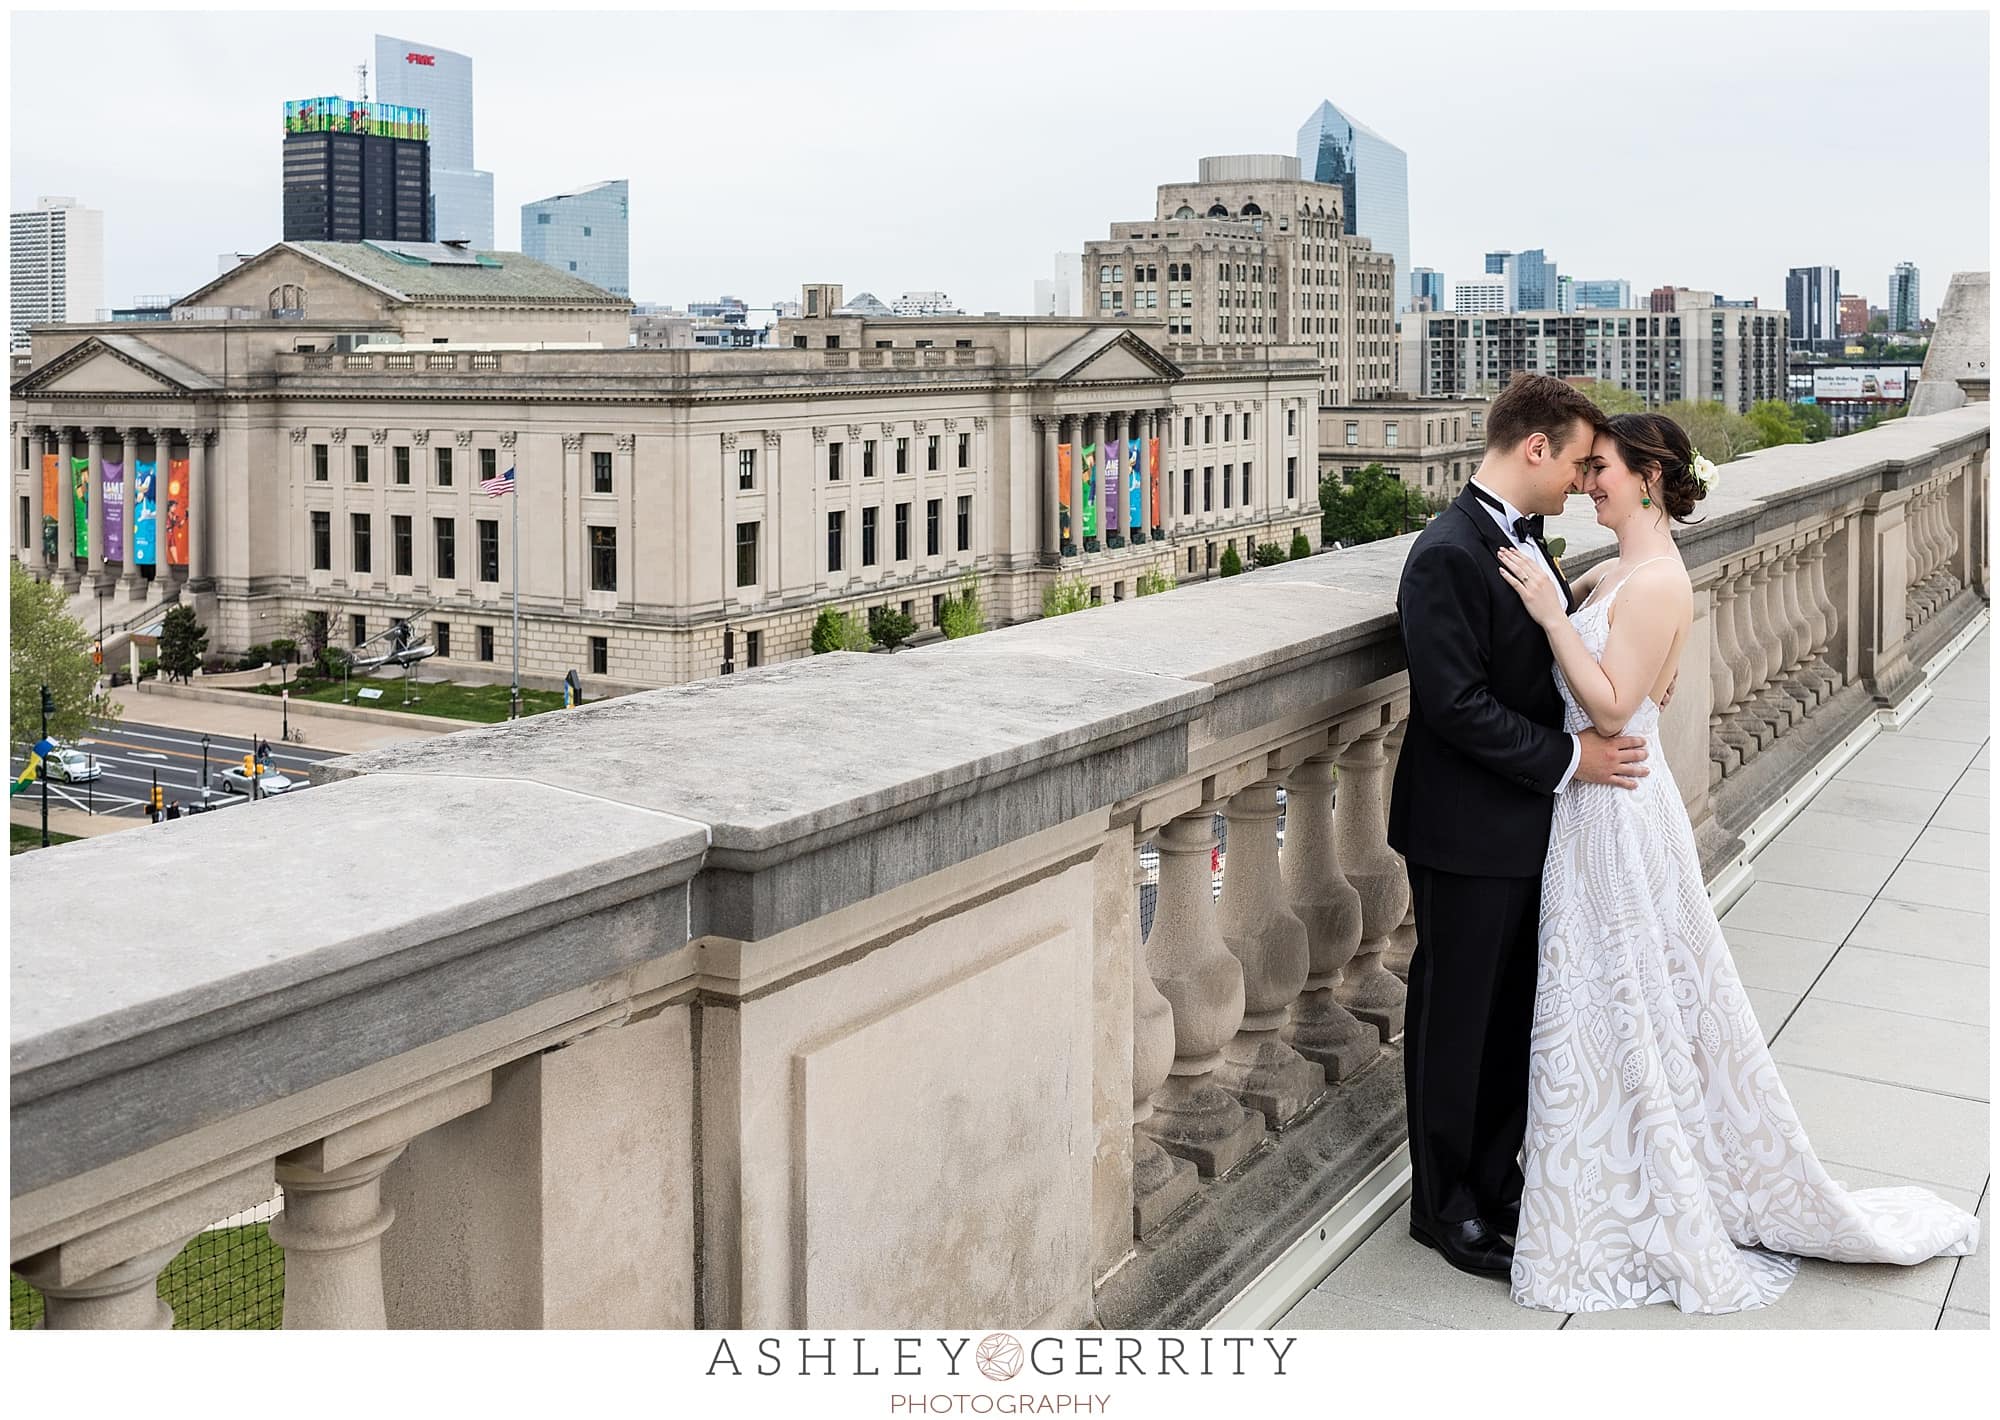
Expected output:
(425, 59)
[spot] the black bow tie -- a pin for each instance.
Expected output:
(1529, 528)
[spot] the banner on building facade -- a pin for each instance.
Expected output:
(51, 491)
(177, 512)
(1134, 479)
(1090, 490)
(111, 488)
(144, 482)
(1063, 464)
(79, 477)
(1107, 476)
(1153, 469)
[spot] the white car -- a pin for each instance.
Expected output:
(235, 781)
(72, 765)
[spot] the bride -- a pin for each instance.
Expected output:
(1664, 1161)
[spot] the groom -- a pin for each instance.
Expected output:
(1482, 762)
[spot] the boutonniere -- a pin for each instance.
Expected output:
(1555, 546)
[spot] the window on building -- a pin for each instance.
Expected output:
(485, 643)
(798, 342)
(868, 458)
(933, 532)
(833, 342)
(902, 532)
(542, 219)
(444, 468)
(572, 266)
(903, 455)
(1227, 421)
(23, 540)
(1291, 478)
(931, 453)
(402, 545)
(833, 463)
(358, 629)
(1208, 428)
(746, 469)
(937, 610)
(600, 646)
(1187, 431)
(836, 539)
(965, 451)
(444, 533)
(1208, 489)
(586, 231)
(965, 524)
(1228, 484)
(1187, 492)
(868, 529)
(322, 531)
(600, 472)
(1246, 485)
(489, 549)
(319, 463)
(1353, 433)
(603, 559)
(360, 463)
(363, 553)
(1392, 433)
(489, 464)
(1291, 422)
(441, 638)
(402, 464)
(753, 649)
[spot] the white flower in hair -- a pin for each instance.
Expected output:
(1704, 472)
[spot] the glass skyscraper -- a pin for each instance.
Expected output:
(1374, 177)
(586, 232)
(1530, 275)
(1609, 295)
(439, 81)
(1427, 285)
(1905, 304)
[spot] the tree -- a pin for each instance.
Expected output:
(835, 630)
(1232, 564)
(46, 646)
(889, 628)
(1269, 554)
(1155, 581)
(1876, 421)
(1877, 324)
(182, 640)
(1613, 399)
(1815, 423)
(1065, 595)
(1300, 547)
(1719, 434)
(962, 614)
(1773, 421)
(1374, 505)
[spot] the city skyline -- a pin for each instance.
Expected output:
(974, 209)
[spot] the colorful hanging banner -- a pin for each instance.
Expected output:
(177, 511)
(1090, 490)
(1153, 468)
(1134, 479)
(79, 477)
(51, 491)
(1107, 475)
(144, 482)
(112, 491)
(1067, 534)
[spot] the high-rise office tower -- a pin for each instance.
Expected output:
(439, 81)
(1812, 302)
(1905, 306)
(1483, 294)
(356, 172)
(586, 233)
(1608, 295)
(1426, 290)
(1373, 175)
(1062, 293)
(1530, 277)
(58, 265)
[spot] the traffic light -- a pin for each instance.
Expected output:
(159, 800)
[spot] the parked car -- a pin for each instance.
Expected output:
(72, 765)
(235, 781)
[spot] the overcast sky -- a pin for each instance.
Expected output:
(894, 152)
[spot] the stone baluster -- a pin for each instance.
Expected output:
(1819, 614)
(1797, 641)
(1932, 583)
(66, 511)
(1918, 602)
(1725, 757)
(1193, 1117)
(1262, 933)
(1403, 941)
(1161, 1183)
(1360, 827)
(1322, 1030)
(94, 508)
(1777, 638)
(123, 1297)
(1752, 734)
(38, 511)
(1765, 701)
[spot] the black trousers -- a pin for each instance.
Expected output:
(1465, 1041)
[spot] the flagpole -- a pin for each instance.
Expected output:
(514, 492)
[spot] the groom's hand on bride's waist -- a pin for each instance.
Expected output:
(1611, 759)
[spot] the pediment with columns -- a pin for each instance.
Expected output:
(1108, 357)
(114, 365)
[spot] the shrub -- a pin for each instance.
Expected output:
(1065, 595)
(1232, 564)
(1155, 581)
(962, 614)
(1300, 547)
(258, 656)
(838, 631)
(284, 649)
(216, 665)
(333, 662)
(889, 628)
(1269, 554)
(149, 668)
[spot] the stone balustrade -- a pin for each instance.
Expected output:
(816, 996)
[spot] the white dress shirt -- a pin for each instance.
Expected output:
(1505, 515)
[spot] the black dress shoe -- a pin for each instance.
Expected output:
(1506, 1219)
(1470, 1246)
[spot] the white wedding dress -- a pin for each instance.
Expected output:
(1664, 1161)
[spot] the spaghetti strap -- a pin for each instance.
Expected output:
(1619, 585)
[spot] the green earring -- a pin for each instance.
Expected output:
(1645, 502)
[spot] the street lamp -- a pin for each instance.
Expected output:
(204, 769)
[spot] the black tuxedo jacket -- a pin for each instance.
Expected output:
(1485, 747)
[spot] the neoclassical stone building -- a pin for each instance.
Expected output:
(340, 405)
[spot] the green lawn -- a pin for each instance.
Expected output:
(230, 1279)
(483, 704)
(21, 838)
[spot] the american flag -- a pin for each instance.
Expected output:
(499, 486)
